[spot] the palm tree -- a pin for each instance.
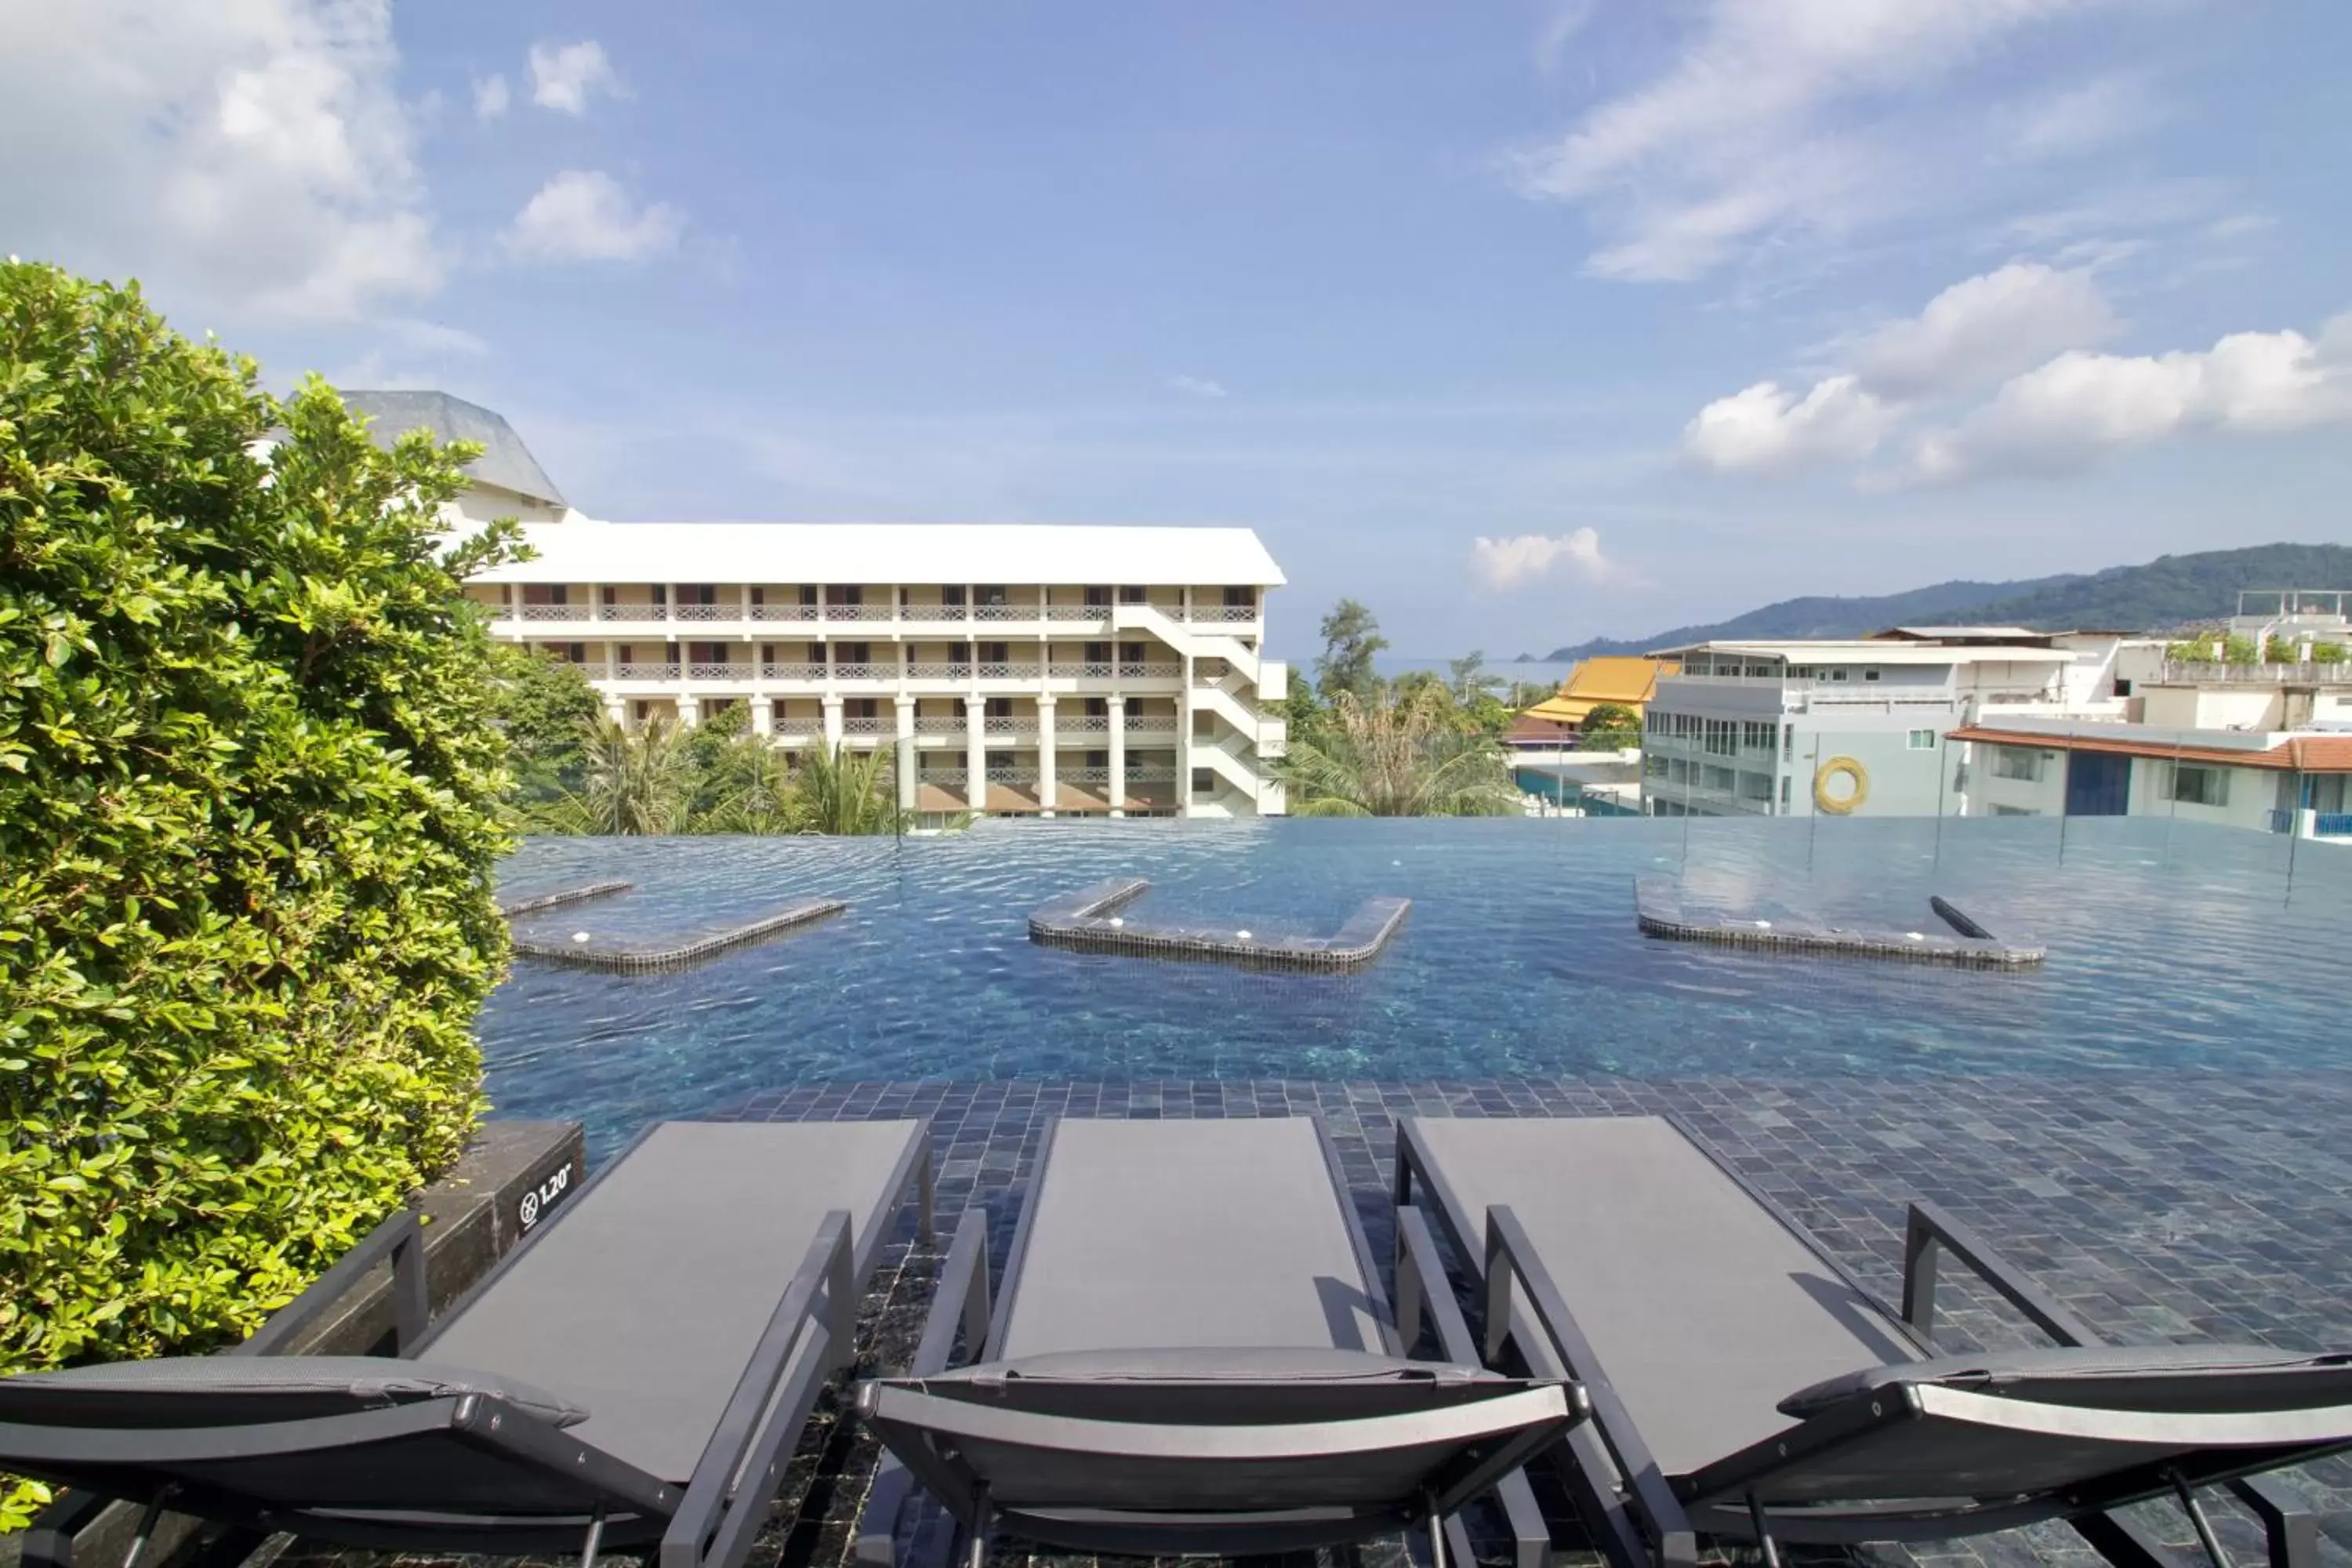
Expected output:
(842, 791)
(633, 782)
(1404, 755)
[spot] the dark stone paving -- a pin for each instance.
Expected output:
(2180, 1207)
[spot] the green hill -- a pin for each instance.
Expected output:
(2170, 591)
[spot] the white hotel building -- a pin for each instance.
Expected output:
(1012, 669)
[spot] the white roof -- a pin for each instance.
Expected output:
(580, 549)
(1871, 652)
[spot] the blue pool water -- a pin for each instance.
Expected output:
(2172, 948)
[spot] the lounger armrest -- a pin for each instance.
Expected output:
(400, 1238)
(743, 1463)
(1931, 1232)
(1511, 1254)
(961, 1300)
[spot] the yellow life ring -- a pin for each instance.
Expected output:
(1836, 767)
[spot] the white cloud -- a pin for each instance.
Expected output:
(1507, 563)
(1567, 19)
(1767, 429)
(490, 96)
(1984, 328)
(583, 215)
(563, 77)
(1739, 138)
(2080, 119)
(250, 161)
(1196, 386)
(2081, 406)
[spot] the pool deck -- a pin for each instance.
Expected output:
(2175, 1207)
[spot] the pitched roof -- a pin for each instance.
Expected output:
(505, 461)
(583, 550)
(2296, 753)
(1624, 680)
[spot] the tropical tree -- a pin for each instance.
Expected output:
(1350, 637)
(1470, 679)
(1406, 754)
(546, 710)
(635, 781)
(849, 792)
(1609, 727)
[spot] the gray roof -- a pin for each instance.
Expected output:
(505, 461)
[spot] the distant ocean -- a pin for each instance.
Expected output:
(1394, 664)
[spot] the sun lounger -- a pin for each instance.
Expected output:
(1191, 1353)
(1744, 1384)
(637, 1371)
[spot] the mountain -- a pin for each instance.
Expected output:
(2170, 591)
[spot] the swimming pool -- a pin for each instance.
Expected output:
(2170, 948)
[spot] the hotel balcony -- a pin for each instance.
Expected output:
(583, 606)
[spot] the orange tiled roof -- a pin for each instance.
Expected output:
(2300, 754)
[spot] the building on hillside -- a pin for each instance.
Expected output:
(1012, 669)
(2278, 783)
(1857, 727)
(1625, 682)
(2258, 745)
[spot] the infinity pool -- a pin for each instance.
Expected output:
(2182, 948)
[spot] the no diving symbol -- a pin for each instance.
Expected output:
(529, 1209)
(537, 1200)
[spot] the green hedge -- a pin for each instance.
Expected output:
(248, 813)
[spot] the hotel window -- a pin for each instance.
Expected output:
(1870, 673)
(697, 594)
(2199, 786)
(808, 595)
(2016, 762)
(1000, 759)
(1204, 781)
(1838, 672)
(1758, 737)
(611, 596)
(1000, 708)
(1098, 758)
(1241, 598)
(1922, 740)
(1784, 792)
(2014, 811)
(989, 593)
(995, 653)
(577, 652)
(860, 707)
(1788, 749)
(1130, 653)
(1653, 767)
(1132, 593)
(1098, 595)
(951, 594)
(845, 593)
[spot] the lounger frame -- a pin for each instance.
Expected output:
(709, 1522)
(964, 1303)
(1652, 1521)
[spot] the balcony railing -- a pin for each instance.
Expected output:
(856, 726)
(703, 671)
(707, 613)
(1077, 612)
(792, 672)
(633, 611)
(1082, 775)
(633, 670)
(1083, 725)
(1004, 612)
(2193, 672)
(935, 612)
(1223, 613)
(2332, 823)
(1147, 775)
(932, 724)
(1012, 775)
(555, 612)
(857, 612)
(783, 612)
(1017, 728)
(1149, 726)
(864, 672)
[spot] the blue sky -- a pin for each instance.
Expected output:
(1522, 322)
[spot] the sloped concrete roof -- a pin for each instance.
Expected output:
(505, 461)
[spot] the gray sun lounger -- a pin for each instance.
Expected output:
(1744, 1384)
(635, 1372)
(1191, 1354)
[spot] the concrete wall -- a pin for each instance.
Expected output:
(1902, 782)
(1989, 795)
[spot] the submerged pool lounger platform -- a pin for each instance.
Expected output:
(1089, 920)
(1658, 906)
(564, 896)
(635, 959)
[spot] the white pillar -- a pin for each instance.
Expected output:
(763, 716)
(616, 708)
(832, 723)
(906, 753)
(1184, 730)
(975, 752)
(1118, 785)
(690, 712)
(1045, 786)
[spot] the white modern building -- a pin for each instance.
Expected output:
(1011, 668)
(2257, 745)
(1857, 727)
